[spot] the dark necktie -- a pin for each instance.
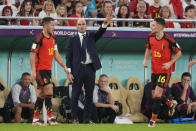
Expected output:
(84, 48)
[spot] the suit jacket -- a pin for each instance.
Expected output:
(74, 51)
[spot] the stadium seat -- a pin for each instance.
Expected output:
(174, 80)
(3, 96)
(53, 79)
(67, 82)
(135, 93)
(119, 93)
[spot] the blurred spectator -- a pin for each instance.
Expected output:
(78, 13)
(24, 98)
(69, 6)
(38, 5)
(99, 4)
(182, 91)
(189, 15)
(10, 2)
(62, 12)
(123, 13)
(166, 14)
(141, 14)
(120, 3)
(114, 4)
(85, 4)
(186, 3)
(48, 10)
(195, 13)
(107, 10)
(26, 9)
(91, 10)
(104, 101)
(7, 11)
(133, 7)
(56, 3)
(154, 9)
(175, 7)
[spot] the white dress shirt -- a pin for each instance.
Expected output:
(88, 59)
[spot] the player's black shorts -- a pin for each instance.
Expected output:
(43, 77)
(160, 80)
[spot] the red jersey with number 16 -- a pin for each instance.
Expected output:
(161, 52)
(44, 48)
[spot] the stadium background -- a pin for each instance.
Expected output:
(121, 54)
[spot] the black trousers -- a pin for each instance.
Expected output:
(85, 77)
(6, 114)
(108, 113)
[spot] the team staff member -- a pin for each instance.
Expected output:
(83, 60)
(161, 46)
(41, 56)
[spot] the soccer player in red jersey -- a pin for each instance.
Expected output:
(161, 46)
(43, 50)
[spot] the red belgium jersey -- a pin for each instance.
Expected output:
(161, 52)
(44, 48)
(154, 11)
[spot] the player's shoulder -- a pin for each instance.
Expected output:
(170, 38)
(39, 37)
(151, 35)
(53, 37)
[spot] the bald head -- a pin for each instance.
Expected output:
(81, 26)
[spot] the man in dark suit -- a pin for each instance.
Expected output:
(83, 61)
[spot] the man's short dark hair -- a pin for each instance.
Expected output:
(187, 74)
(107, 1)
(103, 75)
(24, 74)
(189, 8)
(47, 20)
(160, 21)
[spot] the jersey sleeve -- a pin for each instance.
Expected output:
(36, 44)
(147, 44)
(174, 46)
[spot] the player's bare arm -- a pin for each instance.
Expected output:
(32, 62)
(59, 59)
(191, 63)
(147, 55)
(167, 65)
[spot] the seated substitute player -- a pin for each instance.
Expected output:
(161, 46)
(41, 56)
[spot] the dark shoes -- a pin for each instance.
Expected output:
(75, 121)
(88, 122)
